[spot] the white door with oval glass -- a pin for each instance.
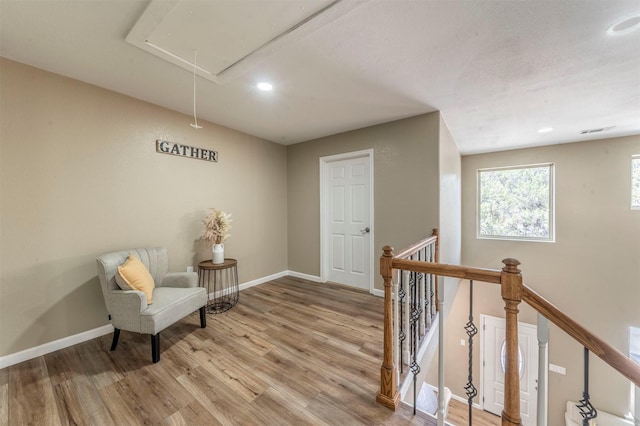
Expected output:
(493, 362)
(346, 214)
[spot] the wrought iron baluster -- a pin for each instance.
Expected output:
(416, 310)
(420, 300)
(471, 330)
(427, 302)
(402, 335)
(412, 313)
(587, 411)
(422, 296)
(425, 288)
(431, 301)
(432, 295)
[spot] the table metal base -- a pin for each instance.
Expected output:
(223, 277)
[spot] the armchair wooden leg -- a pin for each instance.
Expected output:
(155, 347)
(203, 317)
(116, 336)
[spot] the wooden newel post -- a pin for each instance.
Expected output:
(388, 394)
(511, 282)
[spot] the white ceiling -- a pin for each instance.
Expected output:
(498, 70)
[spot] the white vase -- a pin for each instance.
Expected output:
(218, 253)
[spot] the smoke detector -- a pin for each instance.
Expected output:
(601, 129)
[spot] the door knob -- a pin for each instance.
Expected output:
(365, 230)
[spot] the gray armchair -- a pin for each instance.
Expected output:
(175, 296)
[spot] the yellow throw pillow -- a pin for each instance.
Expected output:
(136, 276)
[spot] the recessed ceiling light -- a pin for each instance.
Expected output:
(546, 130)
(625, 26)
(264, 86)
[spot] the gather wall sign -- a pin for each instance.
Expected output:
(172, 148)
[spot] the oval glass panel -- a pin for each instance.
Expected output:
(503, 358)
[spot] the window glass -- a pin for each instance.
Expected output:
(503, 359)
(516, 203)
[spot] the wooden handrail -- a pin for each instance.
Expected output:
(616, 359)
(434, 239)
(513, 292)
(388, 394)
(414, 248)
(444, 270)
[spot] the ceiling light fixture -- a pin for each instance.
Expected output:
(195, 118)
(625, 26)
(265, 86)
(546, 130)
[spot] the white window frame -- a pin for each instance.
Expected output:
(634, 158)
(552, 212)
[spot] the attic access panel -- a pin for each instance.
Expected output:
(224, 32)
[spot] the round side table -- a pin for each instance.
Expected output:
(224, 278)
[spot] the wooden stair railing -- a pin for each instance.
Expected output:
(616, 359)
(410, 251)
(513, 291)
(388, 374)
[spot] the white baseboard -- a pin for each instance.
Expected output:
(279, 275)
(465, 401)
(379, 293)
(456, 397)
(423, 414)
(65, 342)
(307, 277)
(431, 336)
(263, 280)
(316, 279)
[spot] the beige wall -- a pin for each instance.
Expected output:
(591, 272)
(405, 180)
(80, 176)
(450, 169)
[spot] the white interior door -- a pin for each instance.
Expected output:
(493, 367)
(346, 204)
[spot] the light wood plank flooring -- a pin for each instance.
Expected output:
(291, 352)
(458, 414)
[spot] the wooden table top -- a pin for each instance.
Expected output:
(208, 264)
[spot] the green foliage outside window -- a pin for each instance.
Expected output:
(516, 202)
(635, 182)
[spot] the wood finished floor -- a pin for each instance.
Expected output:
(458, 414)
(290, 353)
